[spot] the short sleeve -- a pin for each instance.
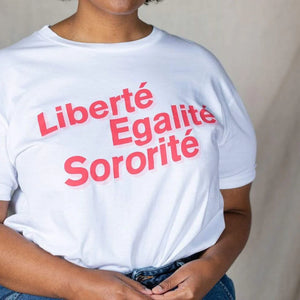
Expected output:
(8, 174)
(238, 145)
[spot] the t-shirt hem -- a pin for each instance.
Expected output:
(5, 192)
(5, 197)
(237, 180)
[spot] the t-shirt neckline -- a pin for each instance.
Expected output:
(154, 35)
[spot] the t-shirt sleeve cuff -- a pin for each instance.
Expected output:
(237, 180)
(5, 192)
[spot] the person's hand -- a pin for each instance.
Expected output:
(192, 281)
(106, 285)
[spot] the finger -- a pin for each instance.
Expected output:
(177, 294)
(169, 283)
(183, 291)
(135, 284)
(133, 294)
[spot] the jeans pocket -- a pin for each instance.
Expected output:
(227, 284)
(222, 290)
(7, 294)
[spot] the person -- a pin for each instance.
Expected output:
(127, 158)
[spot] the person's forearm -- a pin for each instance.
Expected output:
(26, 268)
(230, 244)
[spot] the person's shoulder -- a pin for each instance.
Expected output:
(11, 53)
(195, 51)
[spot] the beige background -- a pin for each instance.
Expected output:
(258, 44)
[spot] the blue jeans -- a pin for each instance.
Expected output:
(149, 276)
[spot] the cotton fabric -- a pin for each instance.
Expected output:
(113, 155)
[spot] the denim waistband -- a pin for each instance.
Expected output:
(145, 273)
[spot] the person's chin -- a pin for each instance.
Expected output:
(119, 7)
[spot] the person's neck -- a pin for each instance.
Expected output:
(96, 26)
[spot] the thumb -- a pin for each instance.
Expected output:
(166, 285)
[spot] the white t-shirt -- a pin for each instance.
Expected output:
(113, 155)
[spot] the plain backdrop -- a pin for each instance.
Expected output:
(258, 44)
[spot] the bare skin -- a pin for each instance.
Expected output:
(102, 21)
(195, 278)
(27, 268)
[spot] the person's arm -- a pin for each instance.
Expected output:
(199, 276)
(27, 268)
(237, 214)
